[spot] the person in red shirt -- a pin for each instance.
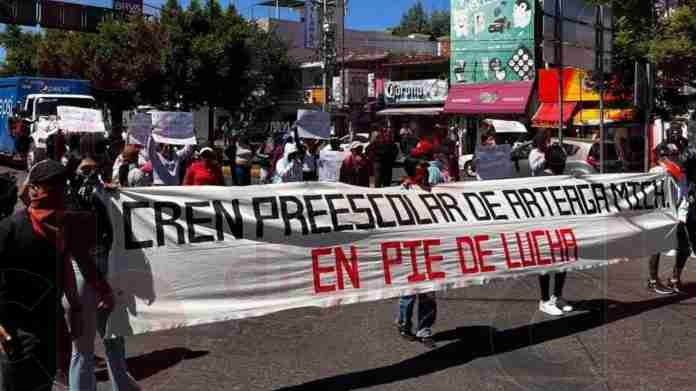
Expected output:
(206, 171)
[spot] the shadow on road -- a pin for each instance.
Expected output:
(147, 365)
(470, 343)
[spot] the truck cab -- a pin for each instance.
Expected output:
(28, 113)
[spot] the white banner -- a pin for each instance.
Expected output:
(171, 127)
(185, 256)
(330, 165)
(313, 124)
(493, 161)
(80, 120)
(139, 128)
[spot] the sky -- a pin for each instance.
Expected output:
(362, 14)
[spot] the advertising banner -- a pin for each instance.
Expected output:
(492, 40)
(80, 120)
(430, 91)
(185, 256)
(313, 124)
(356, 89)
(173, 127)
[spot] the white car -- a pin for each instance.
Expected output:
(576, 164)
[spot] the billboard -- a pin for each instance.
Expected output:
(492, 41)
(312, 29)
(356, 89)
(129, 6)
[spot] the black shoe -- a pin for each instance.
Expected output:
(406, 333)
(674, 285)
(657, 287)
(429, 342)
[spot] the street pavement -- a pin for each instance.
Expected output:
(622, 338)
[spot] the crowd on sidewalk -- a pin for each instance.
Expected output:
(63, 234)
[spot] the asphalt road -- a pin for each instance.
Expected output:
(490, 338)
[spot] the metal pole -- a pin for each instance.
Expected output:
(559, 28)
(277, 7)
(600, 29)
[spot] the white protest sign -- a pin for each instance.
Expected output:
(494, 161)
(329, 165)
(80, 120)
(173, 127)
(139, 128)
(313, 124)
(185, 256)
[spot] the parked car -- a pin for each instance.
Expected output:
(577, 152)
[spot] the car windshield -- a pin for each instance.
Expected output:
(49, 106)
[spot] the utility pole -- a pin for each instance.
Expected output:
(559, 59)
(328, 48)
(600, 70)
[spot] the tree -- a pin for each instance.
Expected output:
(20, 52)
(440, 23)
(645, 33)
(414, 21)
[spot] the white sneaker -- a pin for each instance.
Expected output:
(562, 304)
(549, 308)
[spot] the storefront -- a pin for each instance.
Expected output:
(624, 135)
(416, 105)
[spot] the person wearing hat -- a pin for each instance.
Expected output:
(355, 169)
(35, 248)
(206, 171)
(667, 154)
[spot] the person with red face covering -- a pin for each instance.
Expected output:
(206, 171)
(35, 249)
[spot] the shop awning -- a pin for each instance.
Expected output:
(590, 117)
(412, 111)
(489, 98)
(549, 113)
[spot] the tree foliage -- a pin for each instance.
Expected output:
(200, 55)
(645, 33)
(417, 21)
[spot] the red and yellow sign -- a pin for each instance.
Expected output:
(577, 86)
(590, 117)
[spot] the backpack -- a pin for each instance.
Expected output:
(8, 194)
(556, 158)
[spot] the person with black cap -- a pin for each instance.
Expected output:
(667, 154)
(34, 275)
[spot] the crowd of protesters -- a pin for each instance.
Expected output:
(63, 234)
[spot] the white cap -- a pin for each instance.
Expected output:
(355, 145)
(206, 149)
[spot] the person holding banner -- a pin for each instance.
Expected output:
(666, 154)
(84, 197)
(545, 159)
(35, 245)
(166, 162)
(427, 305)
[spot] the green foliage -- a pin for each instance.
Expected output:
(20, 52)
(417, 21)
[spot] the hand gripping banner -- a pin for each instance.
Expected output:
(186, 256)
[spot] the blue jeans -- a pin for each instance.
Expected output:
(82, 377)
(427, 313)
